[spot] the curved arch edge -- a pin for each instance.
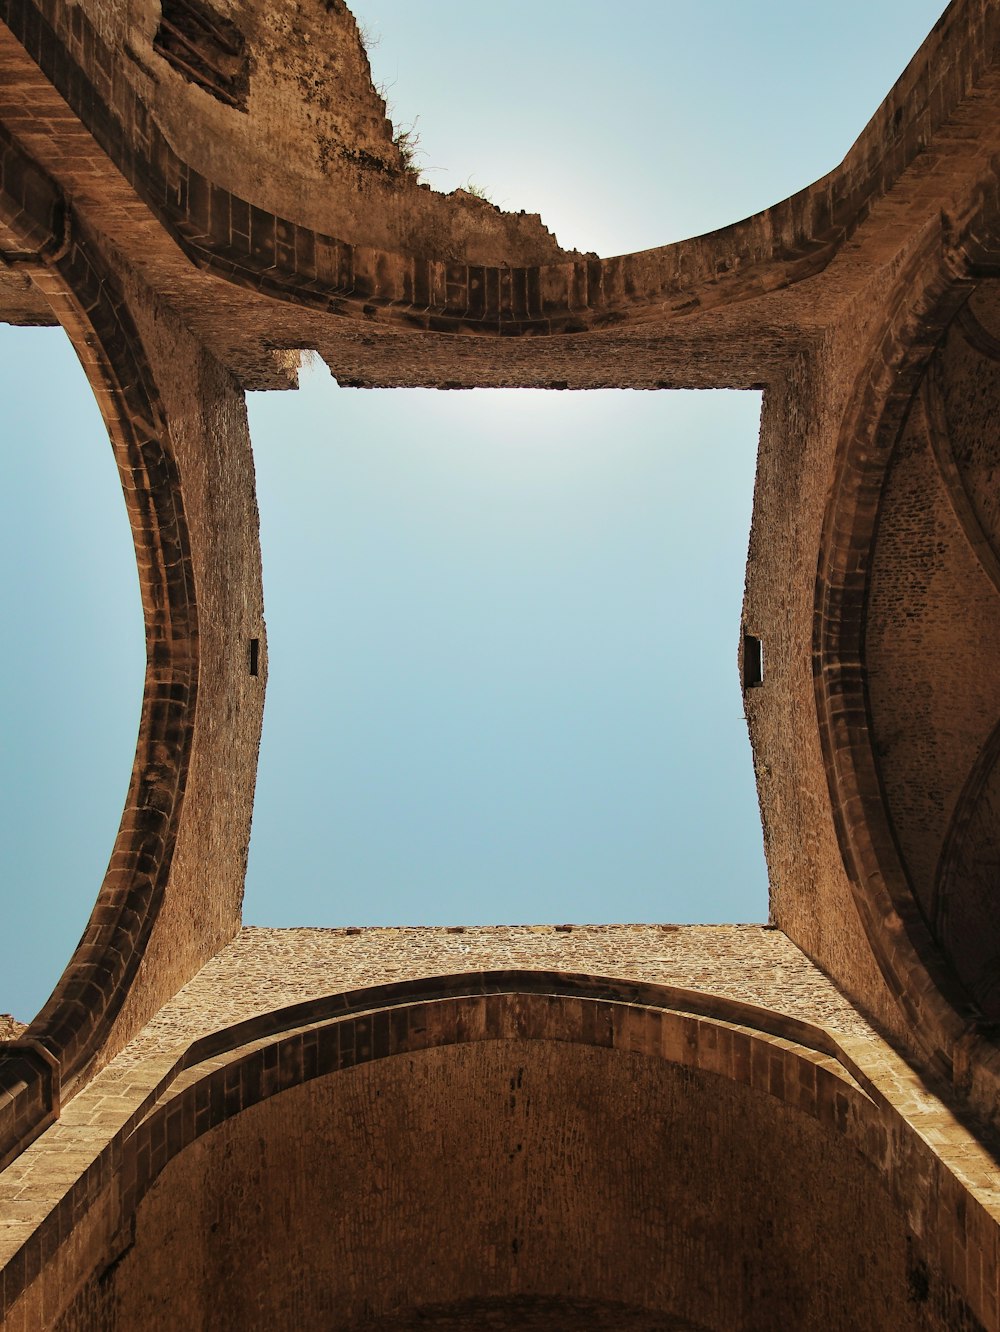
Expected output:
(794, 240)
(944, 1029)
(104, 995)
(855, 1093)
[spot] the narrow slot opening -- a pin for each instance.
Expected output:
(753, 662)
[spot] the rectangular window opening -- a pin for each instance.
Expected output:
(753, 662)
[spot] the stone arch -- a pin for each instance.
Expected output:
(86, 1017)
(512, 288)
(899, 396)
(561, 1139)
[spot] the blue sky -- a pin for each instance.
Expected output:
(503, 626)
(520, 614)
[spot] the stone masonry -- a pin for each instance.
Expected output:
(700, 1129)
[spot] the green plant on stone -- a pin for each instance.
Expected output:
(476, 190)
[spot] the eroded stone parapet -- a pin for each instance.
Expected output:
(435, 284)
(269, 968)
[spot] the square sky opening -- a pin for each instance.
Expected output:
(504, 629)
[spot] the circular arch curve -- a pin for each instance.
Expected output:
(104, 993)
(333, 1133)
(939, 1012)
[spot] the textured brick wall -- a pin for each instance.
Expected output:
(830, 840)
(456, 1174)
(203, 896)
(20, 302)
(932, 639)
(783, 1035)
(178, 426)
(269, 246)
(811, 897)
(314, 128)
(528, 1144)
(265, 969)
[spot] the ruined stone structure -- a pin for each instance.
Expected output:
(605, 1127)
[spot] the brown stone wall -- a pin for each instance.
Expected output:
(717, 1135)
(530, 1314)
(91, 1311)
(200, 489)
(520, 1170)
(265, 969)
(69, 1199)
(204, 894)
(312, 142)
(930, 651)
(429, 286)
(836, 881)
(21, 303)
(932, 638)
(811, 898)
(178, 426)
